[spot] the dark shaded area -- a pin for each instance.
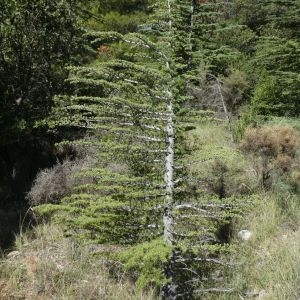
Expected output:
(225, 232)
(38, 39)
(19, 163)
(10, 222)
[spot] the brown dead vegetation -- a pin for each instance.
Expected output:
(274, 150)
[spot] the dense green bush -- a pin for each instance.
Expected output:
(277, 96)
(145, 263)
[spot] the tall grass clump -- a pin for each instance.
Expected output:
(47, 265)
(267, 266)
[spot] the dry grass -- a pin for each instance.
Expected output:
(267, 266)
(47, 265)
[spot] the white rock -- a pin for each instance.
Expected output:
(245, 234)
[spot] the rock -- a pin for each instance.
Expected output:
(245, 234)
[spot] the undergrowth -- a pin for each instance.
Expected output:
(267, 266)
(47, 265)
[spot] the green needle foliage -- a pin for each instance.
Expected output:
(137, 110)
(275, 64)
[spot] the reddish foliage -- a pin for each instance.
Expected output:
(276, 147)
(104, 50)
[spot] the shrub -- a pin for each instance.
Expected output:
(274, 150)
(216, 168)
(50, 185)
(278, 96)
(235, 89)
(144, 263)
(295, 180)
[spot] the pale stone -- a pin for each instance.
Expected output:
(245, 234)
